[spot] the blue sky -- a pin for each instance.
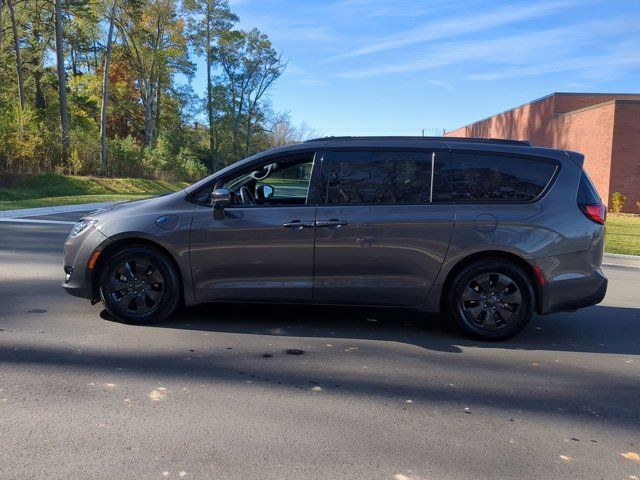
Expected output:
(375, 67)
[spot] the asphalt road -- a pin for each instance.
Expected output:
(377, 394)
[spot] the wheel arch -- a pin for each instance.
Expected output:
(526, 266)
(114, 246)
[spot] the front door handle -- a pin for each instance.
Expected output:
(298, 224)
(334, 222)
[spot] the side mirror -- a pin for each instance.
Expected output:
(265, 191)
(220, 199)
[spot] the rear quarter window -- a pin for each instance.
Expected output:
(587, 193)
(501, 178)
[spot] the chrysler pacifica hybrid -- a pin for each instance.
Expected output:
(486, 231)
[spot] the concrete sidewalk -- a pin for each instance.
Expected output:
(32, 212)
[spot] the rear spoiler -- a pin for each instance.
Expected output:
(577, 157)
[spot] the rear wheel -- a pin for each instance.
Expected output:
(491, 299)
(139, 285)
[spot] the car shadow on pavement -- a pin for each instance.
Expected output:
(599, 329)
(399, 355)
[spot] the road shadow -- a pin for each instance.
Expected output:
(564, 390)
(599, 329)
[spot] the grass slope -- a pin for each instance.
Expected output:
(27, 191)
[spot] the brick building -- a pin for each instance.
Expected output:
(605, 127)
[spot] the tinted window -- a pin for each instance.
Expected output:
(587, 193)
(498, 177)
(358, 177)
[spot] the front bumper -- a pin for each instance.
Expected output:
(78, 291)
(82, 289)
(77, 254)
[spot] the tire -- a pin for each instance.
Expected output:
(139, 285)
(491, 299)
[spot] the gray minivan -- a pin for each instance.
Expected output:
(485, 230)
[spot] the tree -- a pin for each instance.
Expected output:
(105, 88)
(81, 34)
(208, 20)
(250, 66)
(1, 33)
(37, 42)
(99, 87)
(1, 59)
(153, 40)
(16, 51)
(282, 131)
(62, 80)
(125, 113)
(265, 67)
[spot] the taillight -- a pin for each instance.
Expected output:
(596, 212)
(589, 201)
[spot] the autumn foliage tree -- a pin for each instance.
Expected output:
(105, 87)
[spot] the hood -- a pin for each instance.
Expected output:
(121, 207)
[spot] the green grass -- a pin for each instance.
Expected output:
(44, 190)
(623, 234)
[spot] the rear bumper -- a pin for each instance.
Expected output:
(573, 293)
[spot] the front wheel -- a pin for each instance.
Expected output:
(139, 285)
(491, 299)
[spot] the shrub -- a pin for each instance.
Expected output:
(164, 160)
(20, 139)
(156, 159)
(84, 158)
(190, 167)
(124, 157)
(76, 163)
(617, 202)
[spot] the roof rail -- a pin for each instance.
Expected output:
(322, 139)
(503, 141)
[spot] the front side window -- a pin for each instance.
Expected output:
(281, 181)
(492, 177)
(290, 181)
(384, 177)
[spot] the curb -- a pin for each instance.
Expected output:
(623, 256)
(28, 212)
(621, 260)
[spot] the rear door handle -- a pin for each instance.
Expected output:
(298, 224)
(334, 222)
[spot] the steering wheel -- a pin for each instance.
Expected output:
(246, 197)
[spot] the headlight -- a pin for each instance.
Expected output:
(81, 227)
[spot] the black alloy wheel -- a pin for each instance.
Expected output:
(490, 299)
(139, 285)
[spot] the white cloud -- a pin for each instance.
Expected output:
(440, 83)
(523, 51)
(600, 66)
(460, 26)
(286, 29)
(371, 9)
(303, 76)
